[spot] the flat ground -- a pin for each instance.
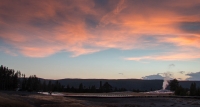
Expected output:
(27, 99)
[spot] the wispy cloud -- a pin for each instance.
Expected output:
(40, 29)
(156, 76)
(167, 57)
(193, 76)
(182, 72)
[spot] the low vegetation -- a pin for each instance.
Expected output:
(10, 101)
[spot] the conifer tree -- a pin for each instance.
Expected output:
(174, 84)
(193, 89)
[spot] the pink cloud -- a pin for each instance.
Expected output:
(189, 41)
(167, 57)
(40, 29)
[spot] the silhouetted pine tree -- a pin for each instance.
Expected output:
(93, 88)
(67, 88)
(193, 89)
(24, 82)
(44, 86)
(198, 92)
(174, 84)
(80, 87)
(49, 87)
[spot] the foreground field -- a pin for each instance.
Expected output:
(25, 99)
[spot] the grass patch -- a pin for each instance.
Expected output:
(8, 102)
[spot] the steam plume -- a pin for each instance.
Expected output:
(166, 76)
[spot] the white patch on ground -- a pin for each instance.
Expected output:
(53, 93)
(161, 92)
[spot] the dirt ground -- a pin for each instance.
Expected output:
(27, 99)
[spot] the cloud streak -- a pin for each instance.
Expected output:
(167, 57)
(150, 77)
(40, 29)
(193, 76)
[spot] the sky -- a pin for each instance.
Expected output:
(104, 39)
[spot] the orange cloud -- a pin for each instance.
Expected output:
(40, 29)
(188, 41)
(167, 57)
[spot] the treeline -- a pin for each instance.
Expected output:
(11, 80)
(179, 90)
(33, 83)
(8, 78)
(106, 87)
(81, 89)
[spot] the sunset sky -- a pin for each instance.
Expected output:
(110, 39)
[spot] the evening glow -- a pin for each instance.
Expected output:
(57, 39)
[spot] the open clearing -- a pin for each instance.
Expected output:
(28, 99)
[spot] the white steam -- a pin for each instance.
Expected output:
(166, 77)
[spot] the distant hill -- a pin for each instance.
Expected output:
(129, 84)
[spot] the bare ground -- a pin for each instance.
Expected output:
(27, 99)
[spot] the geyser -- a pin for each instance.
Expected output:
(166, 77)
